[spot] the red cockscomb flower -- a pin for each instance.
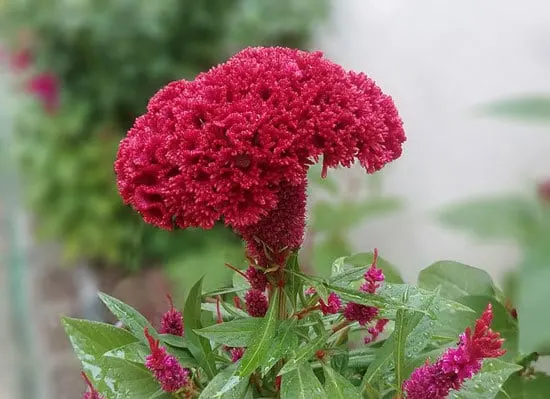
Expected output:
(434, 381)
(235, 144)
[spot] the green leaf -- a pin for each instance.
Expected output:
(338, 387)
(534, 386)
(130, 380)
(456, 280)
(129, 317)
(493, 218)
(533, 300)
(90, 341)
(364, 298)
(223, 291)
(401, 340)
(362, 358)
(532, 108)
(400, 332)
(488, 382)
(198, 346)
(173, 340)
(311, 281)
(293, 284)
(215, 388)
(258, 349)
(234, 333)
(284, 342)
(348, 269)
(301, 383)
(304, 354)
(136, 352)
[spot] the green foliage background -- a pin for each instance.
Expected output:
(111, 57)
(520, 219)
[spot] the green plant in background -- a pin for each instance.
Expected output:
(337, 211)
(105, 59)
(524, 220)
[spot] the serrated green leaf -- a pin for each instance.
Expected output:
(311, 281)
(173, 340)
(234, 333)
(456, 280)
(399, 341)
(90, 341)
(223, 291)
(400, 333)
(301, 383)
(304, 353)
(284, 342)
(531, 108)
(348, 269)
(136, 352)
(364, 298)
(257, 351)
(293, 284)
(198, 346)
(488, 382)
(362, 358)
(131, 380)
(215, 388)
(130, 317)
(338, 387)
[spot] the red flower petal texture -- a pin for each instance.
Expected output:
(165, 367)
(332, 306)
(256, 278)
(172, 321)
(434, 381)
(236, 354)
(235, 144)
(256, 303)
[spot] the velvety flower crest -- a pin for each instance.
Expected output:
(172, 321)
(165, 367)
(256, 278)
(235, 144)
(256, 303)
(434, 381)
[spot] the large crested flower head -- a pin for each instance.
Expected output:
(236, 141)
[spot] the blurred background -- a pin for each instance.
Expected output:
(471, 80)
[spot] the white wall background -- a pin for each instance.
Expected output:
(439, 60)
